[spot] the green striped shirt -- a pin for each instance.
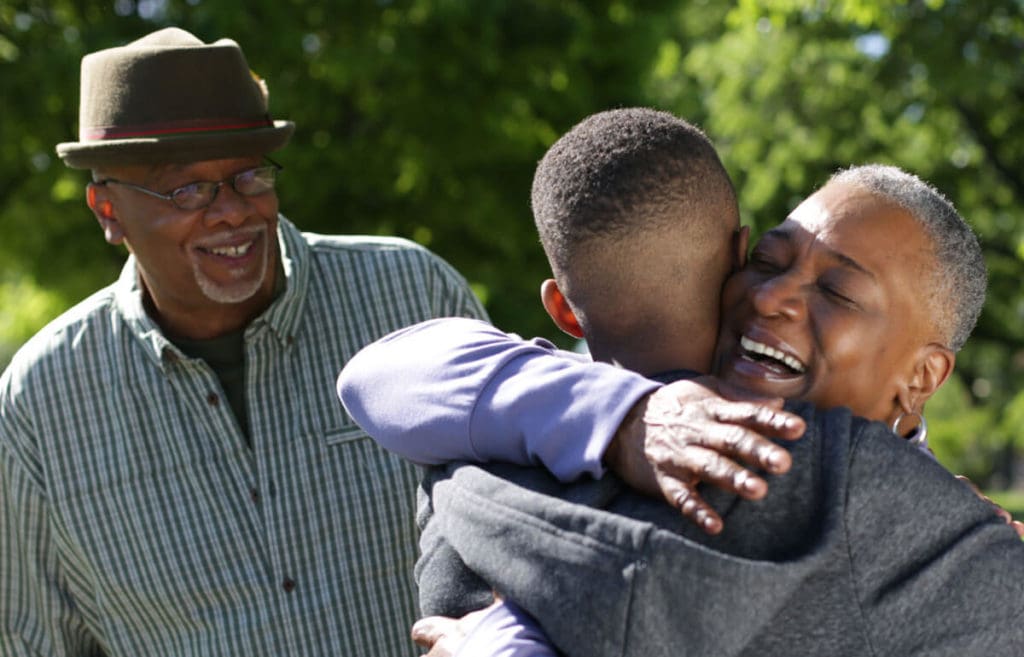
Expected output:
(135, 521)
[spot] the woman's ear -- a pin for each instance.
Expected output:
(98, 200)
(558, 308)
(932, 368)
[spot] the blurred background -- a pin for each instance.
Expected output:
(426, 118)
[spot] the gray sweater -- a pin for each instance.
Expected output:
(866, 547)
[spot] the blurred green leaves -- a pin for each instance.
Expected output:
(425, 118)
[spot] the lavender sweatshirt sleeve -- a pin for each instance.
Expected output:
(506, 631)
(460, 389)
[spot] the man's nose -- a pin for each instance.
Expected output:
(228, 206)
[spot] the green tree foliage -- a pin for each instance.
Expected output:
(425, 118)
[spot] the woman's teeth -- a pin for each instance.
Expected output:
(771, 352)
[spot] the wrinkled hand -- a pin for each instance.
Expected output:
(686, 433)
(442, 635)
(1017, 525)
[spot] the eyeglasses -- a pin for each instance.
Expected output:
(200, 194)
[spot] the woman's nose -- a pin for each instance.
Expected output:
(780, 296)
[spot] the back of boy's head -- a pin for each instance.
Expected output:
(636, 215)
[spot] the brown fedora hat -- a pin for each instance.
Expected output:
(170, 98)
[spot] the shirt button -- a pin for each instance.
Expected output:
(288, 585)
(212, 399)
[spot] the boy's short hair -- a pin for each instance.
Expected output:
(624, 170)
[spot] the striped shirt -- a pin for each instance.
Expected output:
(135, 521)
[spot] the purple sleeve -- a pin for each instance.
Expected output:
(460, 389)
(506, 631)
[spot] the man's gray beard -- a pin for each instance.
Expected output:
(232, 293)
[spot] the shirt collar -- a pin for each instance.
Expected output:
(282, 317)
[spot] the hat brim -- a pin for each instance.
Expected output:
(194, 147)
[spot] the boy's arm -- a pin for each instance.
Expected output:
(459, 389)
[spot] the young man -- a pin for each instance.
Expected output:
(834, 535)
(164, 487)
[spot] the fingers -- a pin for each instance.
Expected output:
(710, 468)
(748, 446)
(692, 506)
(706, 465)
(1003, 514)
(428, 631)
(714, 455)
(759, 418)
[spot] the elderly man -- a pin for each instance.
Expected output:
(176, 477)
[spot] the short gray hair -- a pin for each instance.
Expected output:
(960, 276)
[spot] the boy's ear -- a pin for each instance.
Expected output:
(740, 242)
(102, 207)
(558, 308)
(931, 369)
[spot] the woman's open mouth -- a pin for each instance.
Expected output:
(773, 360)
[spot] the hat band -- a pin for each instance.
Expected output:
(178, 128)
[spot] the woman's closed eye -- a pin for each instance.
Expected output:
(836, 294)
(765, 263)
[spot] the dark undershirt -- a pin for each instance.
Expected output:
(225, 354)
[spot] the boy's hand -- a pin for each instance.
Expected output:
(442, 635)
(686, 433)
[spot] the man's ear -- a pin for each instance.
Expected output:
(558, 308)
(932, 368)
(98, 200)
(740, 242)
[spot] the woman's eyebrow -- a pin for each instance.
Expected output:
(785, 234)
(849, 262)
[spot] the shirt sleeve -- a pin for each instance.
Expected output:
(456, 298)
(506, 631)
(39, 613)
(458, 389)
(938, 572)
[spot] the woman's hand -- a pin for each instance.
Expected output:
(1017, 525)
(687, 432)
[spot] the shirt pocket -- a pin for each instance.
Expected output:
(347, 433)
